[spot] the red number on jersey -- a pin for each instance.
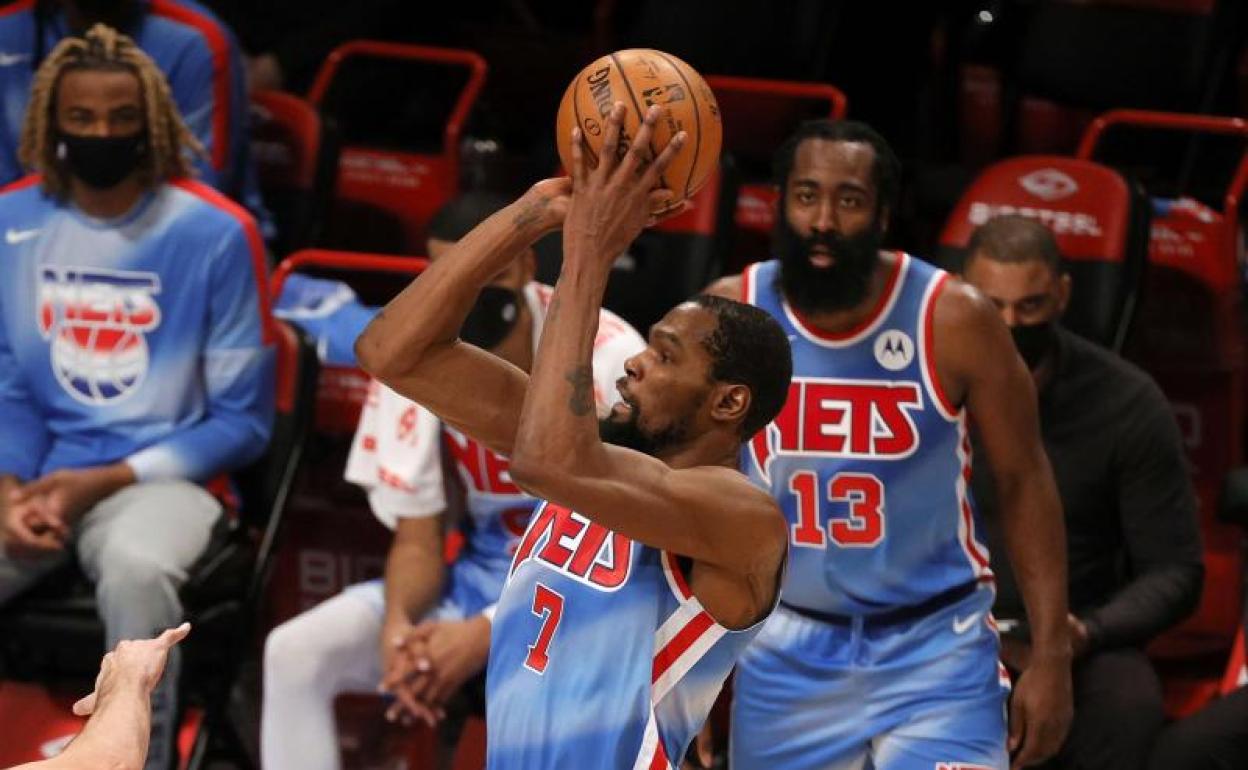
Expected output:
(863, 493)
(548, 605)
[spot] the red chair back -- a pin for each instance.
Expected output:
(387, 188)
(1096, 217)
(1189, 335)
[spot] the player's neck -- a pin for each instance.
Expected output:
(840, 321)
(106, 204)
(706, 450)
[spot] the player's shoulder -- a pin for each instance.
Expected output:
(16, 33)
(205, 208)
(190, 21)
(728, 287)
(960, 305)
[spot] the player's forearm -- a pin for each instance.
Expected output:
(1148, 605)
(558, 432)
(414, 577)
(1035, 536)
(431, 310)
(116, 736)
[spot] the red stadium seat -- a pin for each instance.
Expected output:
(401, 110)
(296, 156)
(335, 540)
(1189, 335)
(1099, 220)
(758, 116)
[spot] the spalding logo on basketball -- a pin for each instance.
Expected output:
(95, 321)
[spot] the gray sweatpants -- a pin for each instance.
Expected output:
(136, 546)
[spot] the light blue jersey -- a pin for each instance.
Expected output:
(883, 653)
(867, 459)
(600, 657)
(139, 339)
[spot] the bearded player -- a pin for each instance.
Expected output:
(883, 648)
(652, 563)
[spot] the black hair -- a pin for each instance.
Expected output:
(748, 347)
(885, 169)
(1013, 238)
(461, 214)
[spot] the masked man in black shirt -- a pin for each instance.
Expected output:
(1133, 545)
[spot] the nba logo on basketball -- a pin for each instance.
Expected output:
(95, 320)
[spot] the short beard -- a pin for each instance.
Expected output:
(842, 286)
(628, 434)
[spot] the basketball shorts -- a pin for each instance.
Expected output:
(923, 694)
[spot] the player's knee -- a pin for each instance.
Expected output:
(294, 658)
(129, 575)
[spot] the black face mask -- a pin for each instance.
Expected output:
(102, 162)
(843, 285)
(1034, 341)
(492, 317)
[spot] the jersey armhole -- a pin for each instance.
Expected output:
(927, 357)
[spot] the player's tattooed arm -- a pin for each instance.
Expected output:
(581, 402)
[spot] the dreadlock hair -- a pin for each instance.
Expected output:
(102, 48)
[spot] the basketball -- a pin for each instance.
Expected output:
(641, 77)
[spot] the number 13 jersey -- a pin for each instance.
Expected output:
(868, 460)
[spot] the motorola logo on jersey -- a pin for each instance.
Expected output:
(849, 419)
(95, 321)
(894, 350)
(572, 545)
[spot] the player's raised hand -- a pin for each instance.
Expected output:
(614, 200)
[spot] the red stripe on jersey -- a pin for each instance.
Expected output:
(219, 47)
(659, 760)
(259, 262)
(681, 642)
(23, 183)
(929, 350)
(972, 547)
(747, 276)
(23, 5)
(678, 575)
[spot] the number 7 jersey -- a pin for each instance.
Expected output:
(868, 460)
(601, 658)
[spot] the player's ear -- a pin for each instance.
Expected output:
(730, 402)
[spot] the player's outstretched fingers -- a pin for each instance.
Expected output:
(655, 172)
(580, 174)
(638, 157)
(609, 154)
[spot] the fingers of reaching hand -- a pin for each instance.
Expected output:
(609, 155)
(172, 636)
(85, 706)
